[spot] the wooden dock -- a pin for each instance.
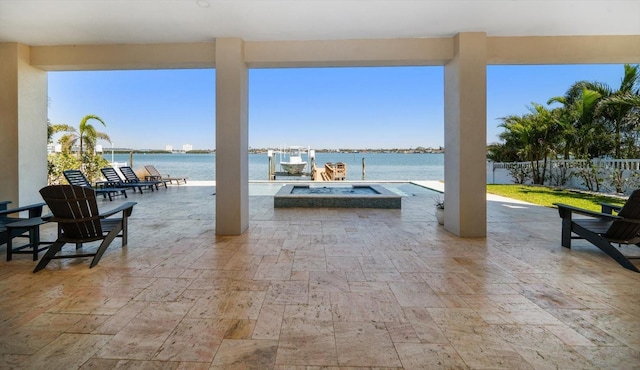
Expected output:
(330, 172)
(318, 174)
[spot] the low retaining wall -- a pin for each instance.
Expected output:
(381, 198)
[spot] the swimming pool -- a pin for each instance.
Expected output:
(334, 196)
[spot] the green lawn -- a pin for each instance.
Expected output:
(544, 196)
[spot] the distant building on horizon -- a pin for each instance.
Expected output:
(187, 147)
(168, 148)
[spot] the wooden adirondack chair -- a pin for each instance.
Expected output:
(604, 229)
(75, 210)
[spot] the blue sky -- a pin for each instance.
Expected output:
(324, 108)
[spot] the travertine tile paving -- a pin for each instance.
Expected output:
(326, 288)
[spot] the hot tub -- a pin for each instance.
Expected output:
(354, 196)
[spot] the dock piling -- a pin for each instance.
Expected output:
(363, 169)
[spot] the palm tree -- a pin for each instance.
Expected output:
(89, 135)
(86, 136)
(582, 131)
(601, 111)
(66, 141)
(621, 107)
(536, 135)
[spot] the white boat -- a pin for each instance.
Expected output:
(292, 162)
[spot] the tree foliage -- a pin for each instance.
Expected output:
(591, 120)
(85, 158)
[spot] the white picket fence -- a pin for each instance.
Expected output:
(629, 169)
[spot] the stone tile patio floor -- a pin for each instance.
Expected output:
(315, 288)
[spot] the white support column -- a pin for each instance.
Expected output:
(232, 138)
(465, 137)
(23, 126)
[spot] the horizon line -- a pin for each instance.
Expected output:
(439, 148)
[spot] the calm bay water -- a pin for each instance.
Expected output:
(378, 166)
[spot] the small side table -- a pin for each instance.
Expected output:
(15, 229)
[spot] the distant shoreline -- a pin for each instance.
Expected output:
(362, 165)
(419, 150)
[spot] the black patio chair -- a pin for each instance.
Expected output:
(21, 227)
(75, 210)
(131, 177)
(603, 229)
(114, 178)
(107, 189)
(155, 175)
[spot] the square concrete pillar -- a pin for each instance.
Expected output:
(232, 138)
(465, 103)
(23, 126)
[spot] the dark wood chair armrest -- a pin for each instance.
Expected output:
(610, 208)
(126, 208)
(3, 204)
(566, 211)
(35, 210)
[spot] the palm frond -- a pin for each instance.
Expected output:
(103, 136)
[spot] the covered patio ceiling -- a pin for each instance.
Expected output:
(66, 22)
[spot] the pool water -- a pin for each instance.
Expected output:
(355, 190)
(405, 189)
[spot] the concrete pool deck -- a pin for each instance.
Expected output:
(322, 287)
(437, 186)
